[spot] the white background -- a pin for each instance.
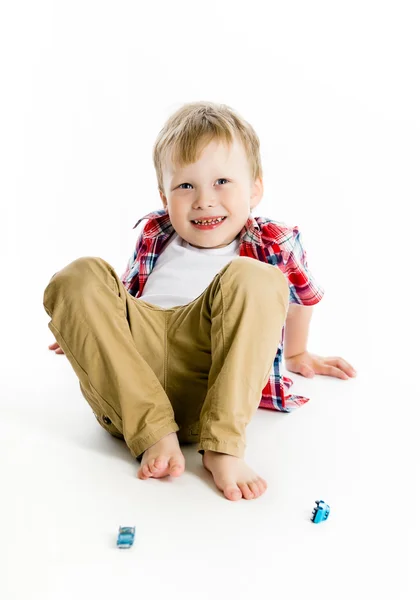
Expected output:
(332, 89)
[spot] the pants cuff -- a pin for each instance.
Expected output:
(232, 448)
(141, 444)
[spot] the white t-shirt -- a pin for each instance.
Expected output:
(182, 272)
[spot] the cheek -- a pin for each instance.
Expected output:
(238, 206)
(178, 212)
(235, 196)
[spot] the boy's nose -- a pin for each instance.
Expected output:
(205, 202)
(205, 199)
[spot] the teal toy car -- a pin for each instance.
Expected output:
(126, 537)
(320, 512)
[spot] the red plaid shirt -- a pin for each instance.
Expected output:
(260, 238)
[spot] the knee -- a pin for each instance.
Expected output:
(245, 267)
(76, 277)
(260, 276)
(83, 269)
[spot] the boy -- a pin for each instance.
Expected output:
(188, 343)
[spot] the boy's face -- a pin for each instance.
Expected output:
(217, 185)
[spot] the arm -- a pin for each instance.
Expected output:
(298, 359)
(306, 292)
(296, 329)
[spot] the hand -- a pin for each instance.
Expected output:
(56, 347)
(308, 365)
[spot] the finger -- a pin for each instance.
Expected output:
(306, 371)
(342, 364)
(332, 372)
(53, 346)
(59, 351)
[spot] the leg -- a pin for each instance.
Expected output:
(115, 345)
(222, 348)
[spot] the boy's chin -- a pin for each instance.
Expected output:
(205, 239)
(209, 244)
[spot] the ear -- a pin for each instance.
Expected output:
(257, 192)
(164, 200)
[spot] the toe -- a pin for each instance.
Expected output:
(158, 465)
(147, 471)
(161, 463)
(262, 484)
(144, 472)
(255, 489)
(176, 467)
(246, 492)
(232, 492)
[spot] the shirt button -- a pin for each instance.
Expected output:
(106, 420)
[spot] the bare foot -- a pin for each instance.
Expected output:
(162, 459)
(233, 477)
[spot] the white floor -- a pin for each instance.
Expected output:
(67, 486)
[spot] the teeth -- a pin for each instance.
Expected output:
(209, 222)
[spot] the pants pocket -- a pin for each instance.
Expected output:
(102, 418)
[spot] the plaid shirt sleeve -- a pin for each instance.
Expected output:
(303, 287)
(130, 278)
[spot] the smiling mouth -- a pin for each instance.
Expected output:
(215, 221)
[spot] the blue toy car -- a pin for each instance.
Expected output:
(126, 537)
(320, 512)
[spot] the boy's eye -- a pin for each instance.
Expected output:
(182, 184)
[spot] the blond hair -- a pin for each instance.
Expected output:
(193, 126)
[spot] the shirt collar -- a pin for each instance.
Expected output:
(160, 224)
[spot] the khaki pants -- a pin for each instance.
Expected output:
(146, 371)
